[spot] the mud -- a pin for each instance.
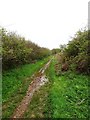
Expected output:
(38, 80)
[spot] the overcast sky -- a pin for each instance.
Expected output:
(48, 23)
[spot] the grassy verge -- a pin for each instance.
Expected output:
(68, 94)
(15, 83)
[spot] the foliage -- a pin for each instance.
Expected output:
(55, 50)
(17, 51)
(76, 52)
(62, 47)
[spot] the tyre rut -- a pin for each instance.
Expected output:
(38, 80)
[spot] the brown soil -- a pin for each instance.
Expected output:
(38, 80)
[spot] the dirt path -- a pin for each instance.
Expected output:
(38, 80)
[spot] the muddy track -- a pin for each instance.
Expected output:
(39, 79)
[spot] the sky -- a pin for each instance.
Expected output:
(48, 23)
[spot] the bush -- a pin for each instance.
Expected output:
(17, 51)
(77, 52)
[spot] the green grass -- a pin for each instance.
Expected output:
(15, 83)
(39, 106)
(64, 96)
(68, 94)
